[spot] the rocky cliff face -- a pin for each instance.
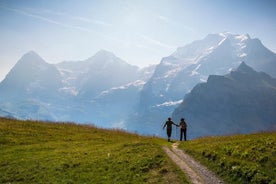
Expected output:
(242, 101)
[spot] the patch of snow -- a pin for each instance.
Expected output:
(222, 41)
(244, 46)
(165, 63)
(194, 72)
(242, 55)
(241, 38)
(210, 49)
(170, 103)
(120, 87)
(103, 93)
(203, 80)
(137, 83)
(224, 34)
(173, 72)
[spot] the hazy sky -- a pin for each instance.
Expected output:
(140, 32)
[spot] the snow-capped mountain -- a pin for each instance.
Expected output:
(193, 63)
(98, 73)
(31, 88)
(78, 91)
(178, 73)
(242, 101)
(31, 76)
(106, 71)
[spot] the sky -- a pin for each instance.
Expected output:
(140, 32)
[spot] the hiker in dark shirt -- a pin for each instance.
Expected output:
(169, 124)
(183, 129)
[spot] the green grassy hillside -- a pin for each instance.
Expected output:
(239, 158)
(44, 152)
(40, 152)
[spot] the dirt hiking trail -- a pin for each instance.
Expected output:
(197, 173)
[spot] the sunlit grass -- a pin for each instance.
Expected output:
(44, 152)
(238, 158)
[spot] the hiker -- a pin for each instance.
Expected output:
(169, 124)
(183, 128)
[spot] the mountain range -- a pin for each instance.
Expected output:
(80, 91)
(177, 74)
(109, 92)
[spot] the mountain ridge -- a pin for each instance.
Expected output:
(242, 101)
(35, 89)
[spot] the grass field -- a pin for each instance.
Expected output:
(43, 152)
(238, 158)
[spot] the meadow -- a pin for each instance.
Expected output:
(45, 152)
(238, 158)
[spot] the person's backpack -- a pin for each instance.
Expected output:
(183, 124)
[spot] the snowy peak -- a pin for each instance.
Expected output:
(224, 48)
(104, 54)
(233, 42)
(29, 64)
(232, 36)
(193, 50)
(31, 73)
(243, 37)
(238, 41)
(226, 35)
(31, 58)
(31, 53)
(106, 58)
(196, 51)
(107, 61)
